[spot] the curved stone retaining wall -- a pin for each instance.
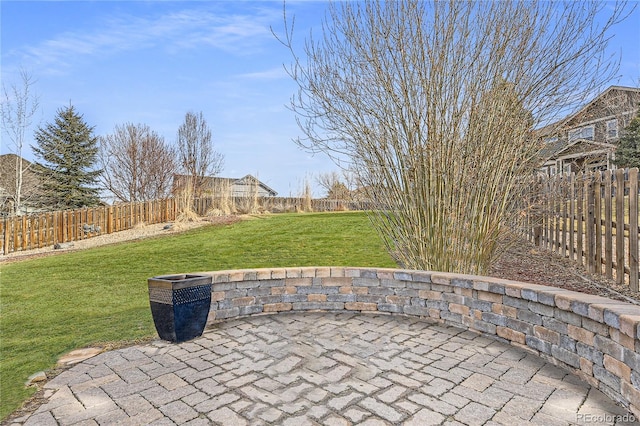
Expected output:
(595, 337)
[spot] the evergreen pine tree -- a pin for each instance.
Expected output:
(628, 151)
(67, 153)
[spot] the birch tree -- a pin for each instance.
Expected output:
(17, 111)
(433, 104)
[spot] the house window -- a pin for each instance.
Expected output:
(612, 129)
(586, 132)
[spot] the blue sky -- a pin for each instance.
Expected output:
(150, 62)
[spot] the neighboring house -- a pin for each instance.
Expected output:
(8, 165)
(587, 139)
(246, 186)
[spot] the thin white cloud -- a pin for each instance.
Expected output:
(173, 32)
(270, 74)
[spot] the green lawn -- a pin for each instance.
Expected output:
(52, 305)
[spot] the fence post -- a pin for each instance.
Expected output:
(536, 220)
(545, 212)
(16, 240)
(109, 220)
(24, 232)
(77, 225)
(620, 226)
(572, 215)
(57, 227)
(539, 214)
(5, 245)
(597, 192)
(580, 218)
(633, 229)
(563, 213)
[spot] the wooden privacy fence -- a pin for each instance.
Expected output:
(46, 229)
(21, 233)
(203, 206)
(591, 218)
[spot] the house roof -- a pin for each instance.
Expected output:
(584, 147)
(602, 95)
(249, 178)
(553, 149)
(30, 185)
(213, 180)
(8, 171)
(9, 160)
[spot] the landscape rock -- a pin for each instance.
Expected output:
(62, 246)
(79, 355)
(35, 378)
(91, 229)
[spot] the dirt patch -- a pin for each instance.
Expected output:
(523, 261)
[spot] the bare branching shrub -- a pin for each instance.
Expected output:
(220, 193)
(342, 207)
(284, 206)
(196, 154)
(433, 104)
(184, 197)
(306, 197)
(249, 203)
(140, 225)
(214, 212)
(137, 163)
(338, 186)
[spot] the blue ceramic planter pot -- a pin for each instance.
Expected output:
(180, 305)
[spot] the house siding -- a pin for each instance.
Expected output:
(238, 187)
(590, 151)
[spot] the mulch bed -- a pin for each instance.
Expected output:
(523, 261)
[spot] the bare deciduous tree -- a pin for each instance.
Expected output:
(17, 110)
(197, 156)
(137, 163)
(336, 184)
(434, 103)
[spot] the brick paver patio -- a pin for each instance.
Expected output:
(324, 369)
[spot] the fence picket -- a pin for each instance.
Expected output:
(5, 233)
(590, 224)
(608, 230)
(603, 218)
(546, 226)
(16, 234)
(633, 227)
(50, 228)
(572, 216)
(580, 204)
(597, 221)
